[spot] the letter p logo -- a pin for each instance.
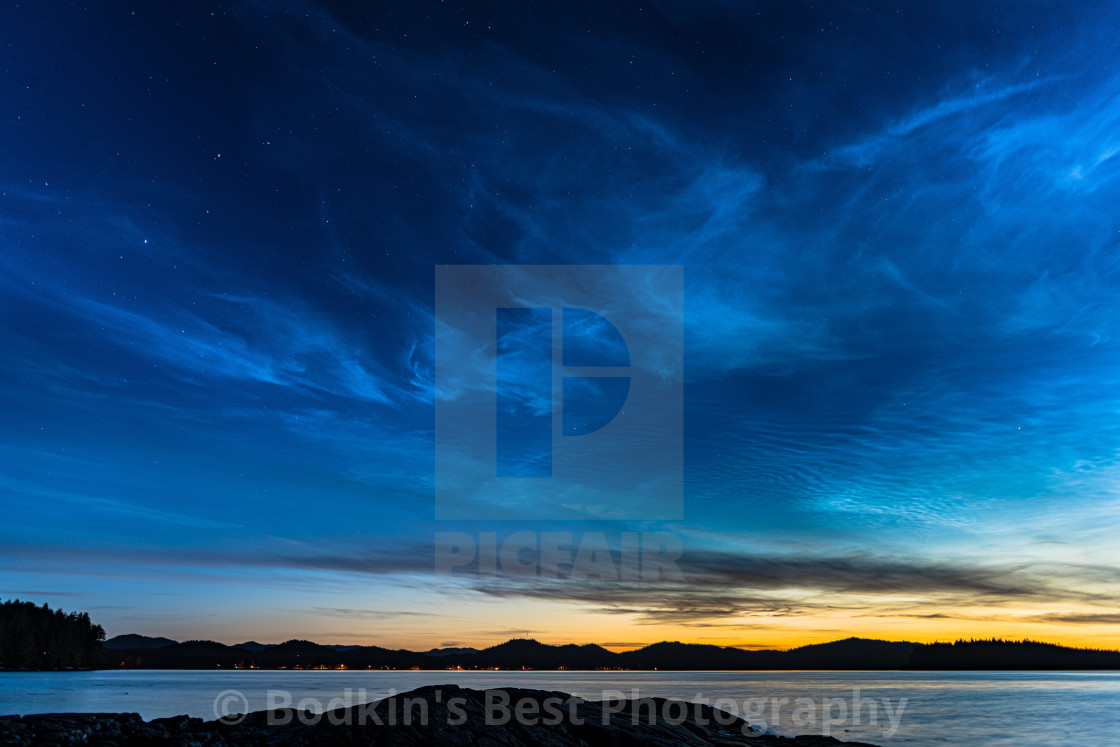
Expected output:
(525, 383)
(559, 392)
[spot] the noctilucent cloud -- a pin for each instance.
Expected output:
(900, 242)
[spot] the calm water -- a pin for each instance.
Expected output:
(940, 708)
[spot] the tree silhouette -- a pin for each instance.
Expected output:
(34, 637)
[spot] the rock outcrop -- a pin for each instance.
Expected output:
(437, 715)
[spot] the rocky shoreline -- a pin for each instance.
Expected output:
(435, 715)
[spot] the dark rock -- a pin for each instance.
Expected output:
(444, 715)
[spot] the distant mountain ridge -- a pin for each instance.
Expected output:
(527, 653)
(450, 651)
(134, 641)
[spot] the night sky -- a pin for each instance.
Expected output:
(898, 228)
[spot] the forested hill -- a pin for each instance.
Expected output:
(41, 638)
(996, 654)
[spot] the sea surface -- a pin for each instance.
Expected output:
(910, 708)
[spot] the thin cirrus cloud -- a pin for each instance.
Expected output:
(1080, 618)
(243, 338)
(739, 585)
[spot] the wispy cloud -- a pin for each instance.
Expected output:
(1080, 618)
(725, 585)
(716, 586)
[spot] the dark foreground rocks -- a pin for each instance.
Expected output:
(438, 715)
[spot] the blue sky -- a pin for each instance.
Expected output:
(219, 226)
